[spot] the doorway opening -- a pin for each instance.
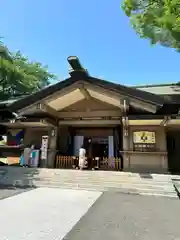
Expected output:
(118, 144)
(96, 147)
(100, 142)
(173, 148)
(100, 149)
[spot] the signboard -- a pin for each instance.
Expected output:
(44, 147)
(144, 141)
(144, 137)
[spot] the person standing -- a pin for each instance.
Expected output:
(82, 157)
(31, 155)
(27, 155)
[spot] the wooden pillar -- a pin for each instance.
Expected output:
(126, 163)
(125, 132)
(164, 158)
(53, 134)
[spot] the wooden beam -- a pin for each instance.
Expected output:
(106, 92)
(124, 102)
(145, 122)
(146, 117)
(50, 122)
(45, 108)
(29, 110)
(39, 108)
(89, 122)
(103, 113)
(130, 100)
(173, 122)
(75, 63)
(142, 105)
(84, 91)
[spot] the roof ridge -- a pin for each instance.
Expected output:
(155, 85)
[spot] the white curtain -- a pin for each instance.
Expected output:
(78, 141)
(111, 146)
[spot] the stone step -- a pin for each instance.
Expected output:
(137, 185)
(110, 184)
(96, 174)
(79, 174)
(90, 179)
(151, 184)
(113, 181)
(169, 188)
(60, 173)
(143, 191)
(121, 185)
(92, 188)
(105, 174)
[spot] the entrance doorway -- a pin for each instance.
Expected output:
(99, 149)
(96, 147)
(101, 142)
(173, 148)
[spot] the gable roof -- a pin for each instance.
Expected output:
(161, 89)
(81, 74)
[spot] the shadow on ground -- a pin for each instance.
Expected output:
(19, 177)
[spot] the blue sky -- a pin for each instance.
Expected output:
(97, 32)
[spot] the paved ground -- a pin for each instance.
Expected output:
(75, 214)
(9, 192)
(120, 216)
(43, 213)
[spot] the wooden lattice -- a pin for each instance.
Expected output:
(70, 162)
(66, 162)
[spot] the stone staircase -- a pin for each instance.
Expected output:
(153, 184)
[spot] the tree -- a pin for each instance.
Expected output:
(19, 76)
(36, 75)
(6, 69)
(157, 20)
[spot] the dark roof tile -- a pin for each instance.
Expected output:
(124, 90)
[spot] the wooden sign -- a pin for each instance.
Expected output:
(144, 137)
(144, 141)
(44, 147)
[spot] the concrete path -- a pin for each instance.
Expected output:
(59, 214)
(131, 217)
(43, 213)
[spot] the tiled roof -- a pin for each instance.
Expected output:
(164, 89)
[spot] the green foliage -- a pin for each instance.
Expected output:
(157, 20)
(19, 76)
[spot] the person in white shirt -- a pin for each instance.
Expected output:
(27, 155)
(82, 157)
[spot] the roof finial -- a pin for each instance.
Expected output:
(75, 65)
